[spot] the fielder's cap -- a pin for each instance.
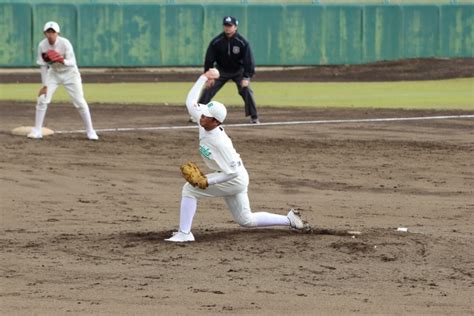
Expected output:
(230, 20)
(214, 109)
(51, 25)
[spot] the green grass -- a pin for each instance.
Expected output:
(440, 94)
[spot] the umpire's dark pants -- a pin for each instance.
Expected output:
(246, 93)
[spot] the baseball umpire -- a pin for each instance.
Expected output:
(58, 66)
(232, 55)
(229, 178)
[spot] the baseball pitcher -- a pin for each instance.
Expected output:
(58, 66)
(229, 178)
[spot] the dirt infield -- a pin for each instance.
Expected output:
(412, 69)
(83, 223)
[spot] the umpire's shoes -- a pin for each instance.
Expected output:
(181, 237)
(35, 133)
(295, 219)
(255, 120)
(92, 135)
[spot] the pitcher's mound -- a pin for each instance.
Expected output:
(25, 130)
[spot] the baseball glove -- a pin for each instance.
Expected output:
(45, 57)
(194, 175)
(54, 56)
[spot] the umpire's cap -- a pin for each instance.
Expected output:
(230, 20)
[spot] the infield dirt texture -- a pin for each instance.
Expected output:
(83, 223)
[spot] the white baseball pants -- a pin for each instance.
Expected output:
(235, 195)
(72, 82)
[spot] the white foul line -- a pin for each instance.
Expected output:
(390, 119)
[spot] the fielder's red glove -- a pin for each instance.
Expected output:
(45, 57)
(54, 56)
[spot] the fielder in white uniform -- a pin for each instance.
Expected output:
(229, 179)
(54, 73)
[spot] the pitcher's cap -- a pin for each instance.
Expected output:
(230, 20)
(214, 109)
(51, 25)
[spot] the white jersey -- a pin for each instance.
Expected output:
(218, 152)
(64, 48)
(215, 146)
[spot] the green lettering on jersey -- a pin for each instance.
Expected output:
(205, 152)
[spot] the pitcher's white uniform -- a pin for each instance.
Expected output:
(229, 180)
(219, 154)
(54, 74)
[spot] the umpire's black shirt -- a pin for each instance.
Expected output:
(230, 55)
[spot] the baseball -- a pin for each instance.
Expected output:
(214, 72)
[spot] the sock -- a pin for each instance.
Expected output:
(39, 118)
(186, 213)
(269, 219)
(86, 117)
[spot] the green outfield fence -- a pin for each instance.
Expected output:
(252, 1)
(168, 33)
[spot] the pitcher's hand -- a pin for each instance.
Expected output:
(210, 83)
(212, 74)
